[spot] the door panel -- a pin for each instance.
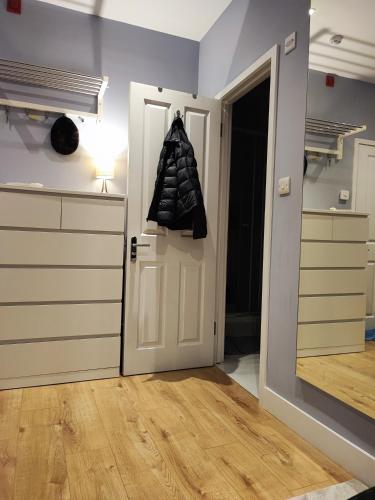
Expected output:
(170, 289)
(365, 202)
(370, 289)
(151, 304)
(196, 125)
(190, 303)
(156, 119)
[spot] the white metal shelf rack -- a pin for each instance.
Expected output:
(337, 130)
(52, 78)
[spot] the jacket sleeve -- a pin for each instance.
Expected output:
(153, 211)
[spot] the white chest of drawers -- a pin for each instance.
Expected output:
(333, 282)
(61, 285)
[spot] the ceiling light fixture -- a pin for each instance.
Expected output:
(312, 11)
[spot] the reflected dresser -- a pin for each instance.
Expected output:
(333, 282)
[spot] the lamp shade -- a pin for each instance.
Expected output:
(105, 170)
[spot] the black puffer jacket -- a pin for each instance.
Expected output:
(178, 201)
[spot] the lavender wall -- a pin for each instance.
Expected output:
(246, 30)
(62, 38)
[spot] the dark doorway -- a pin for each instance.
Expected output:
(248, 172)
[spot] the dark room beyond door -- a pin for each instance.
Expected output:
(245, 235)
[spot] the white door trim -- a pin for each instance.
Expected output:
(357, 144)
(266, 66)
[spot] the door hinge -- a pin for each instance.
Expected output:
(221, 129)
(214, 327)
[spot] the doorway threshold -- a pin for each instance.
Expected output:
(244, 369)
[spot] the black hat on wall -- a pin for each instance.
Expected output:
(64, 136)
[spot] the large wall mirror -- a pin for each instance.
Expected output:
(336, 319)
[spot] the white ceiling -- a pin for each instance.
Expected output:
(185, 18)
(355, 20)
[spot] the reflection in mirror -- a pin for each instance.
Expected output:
(336, 318)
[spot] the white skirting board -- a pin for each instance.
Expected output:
(360, 463)
(59, 378)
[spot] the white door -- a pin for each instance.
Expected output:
(365, 202)
(170, 287)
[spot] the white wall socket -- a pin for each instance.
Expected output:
(284, 186)
(344, 195)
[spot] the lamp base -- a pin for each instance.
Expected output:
(104, 186)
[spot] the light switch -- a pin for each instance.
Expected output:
(284, 186)
(290, 43)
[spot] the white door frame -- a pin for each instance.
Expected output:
(266, 66)
(357, 144)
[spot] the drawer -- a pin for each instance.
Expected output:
(29, 210)
(331, 308)
(40, 358)
(346, 228)
(92, 214)
(60, 249)
(314, 254)
(332, 281)
(328, 351)
(59, 320)
(316, 227)
(60, 285)
(315, 335)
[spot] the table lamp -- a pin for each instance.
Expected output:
(105, 171)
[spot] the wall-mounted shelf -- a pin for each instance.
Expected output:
(56, 79)
(337, 130)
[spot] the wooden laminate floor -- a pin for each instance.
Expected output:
(348, 377)
(188, 434)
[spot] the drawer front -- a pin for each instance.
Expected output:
(316, 335)
(38, 358)
(59, 320)
(60, 285)
(315, 254)
(316, 227)
(346, 228)
(328, 351)
(60, 249)
(332, 281)
(91, 214)
(30, 210)
(331, 308)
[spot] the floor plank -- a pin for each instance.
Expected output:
(176, 435)
(41, 467)
(10, 407)
(94, 475)
(8, 448)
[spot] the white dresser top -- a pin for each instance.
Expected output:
(46, 190)
(334, 212)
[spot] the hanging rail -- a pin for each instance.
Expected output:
(327, 128)
(56, 79)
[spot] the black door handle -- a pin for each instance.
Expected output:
(133, 248)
